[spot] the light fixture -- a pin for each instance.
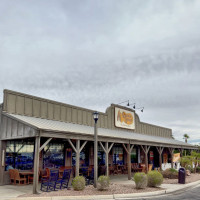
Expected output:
(125, 102)
(95, 116)
(134, 107)
(141, 109)
(128, 103)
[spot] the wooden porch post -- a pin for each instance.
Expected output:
(181, 152)
(36, 165)
(106, 149)
(128, 150)
(77, 150)
(38, 149)
(146, 150)
(107, 165)
(129, 161)
(160, 150)
(171, 150)
(2, 160)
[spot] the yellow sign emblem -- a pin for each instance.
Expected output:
(125, 117)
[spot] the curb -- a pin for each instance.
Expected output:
(189, 185)
(114, 196)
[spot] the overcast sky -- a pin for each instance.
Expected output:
(93, 53)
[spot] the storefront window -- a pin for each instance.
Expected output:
(53, 156)
(101, 156)
(118, 155)
(19, 155)
(134, 156)
(84, 158)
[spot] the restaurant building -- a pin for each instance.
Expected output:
(37, 133)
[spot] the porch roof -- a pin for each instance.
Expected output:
(58, 126)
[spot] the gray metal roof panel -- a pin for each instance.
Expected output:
(59, 126)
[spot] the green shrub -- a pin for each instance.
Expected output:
(198, 169)
(155, 178)
(190, 168)
(186, 161)
(170, 173)
(140, 179)
(172, 170)
(78, 183)
(103, 182)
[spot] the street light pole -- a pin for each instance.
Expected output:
(95, 116)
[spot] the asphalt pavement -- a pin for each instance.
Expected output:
(186, 194)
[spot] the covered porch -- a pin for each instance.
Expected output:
(115, 147)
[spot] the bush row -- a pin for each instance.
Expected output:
(79, 182)
(152, 179)
(170, 173)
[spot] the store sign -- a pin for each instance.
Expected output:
(124, 118)
(176, 157)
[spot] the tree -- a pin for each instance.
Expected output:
(195, 158)
(186, 136)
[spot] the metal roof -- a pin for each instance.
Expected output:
(58, 126)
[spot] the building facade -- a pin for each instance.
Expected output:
(38, 133)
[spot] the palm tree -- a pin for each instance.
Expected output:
(186, 136)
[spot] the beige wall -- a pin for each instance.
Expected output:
(28, 105)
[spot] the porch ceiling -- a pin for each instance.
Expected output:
(88, 131)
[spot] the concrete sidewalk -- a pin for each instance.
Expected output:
(10, 192)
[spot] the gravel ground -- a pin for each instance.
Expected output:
(115, 188)
(90, 190)
(189, 179)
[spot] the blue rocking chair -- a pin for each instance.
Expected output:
(64, 181)
(49, 184)
(90, 178)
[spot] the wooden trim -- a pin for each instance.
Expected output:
(103, 147)
(146, 150)
(72, 145)
(171, 150)
(160, 149)
(45, 144)
(142, 148)
(110, 147)
(125, 149)
(131, 148)
(82, 146)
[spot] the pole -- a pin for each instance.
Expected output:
(95, 154)
(36, 165)
(77, 156)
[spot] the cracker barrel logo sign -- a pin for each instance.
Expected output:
(124, 118)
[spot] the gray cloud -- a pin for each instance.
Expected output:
(93, 53)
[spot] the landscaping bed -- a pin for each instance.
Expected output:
(189, 179)
(114, 188)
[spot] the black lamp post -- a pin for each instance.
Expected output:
(95, 116)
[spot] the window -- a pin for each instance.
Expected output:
(118, 155)
(101, 156)
(53, 156)
(19, 155)
(134, 156)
